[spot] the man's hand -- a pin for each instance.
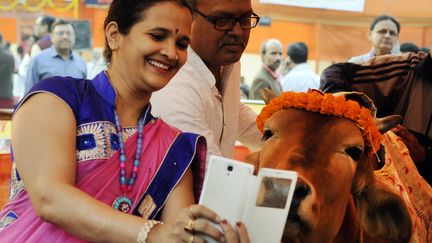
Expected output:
(416, 150)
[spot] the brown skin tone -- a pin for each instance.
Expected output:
(272, 57)
(416, 150)
(383, 37)
(216, 47)
(63, 39)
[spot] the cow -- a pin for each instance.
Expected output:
(332, 142)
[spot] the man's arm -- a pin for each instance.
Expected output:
(385, 79)
(248, 132)
(255, 90)
(337, 78)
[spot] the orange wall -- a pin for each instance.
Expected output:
(428, 37)
(96, 16)
(8, 28)
(286, 32)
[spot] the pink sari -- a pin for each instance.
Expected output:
(99, 178)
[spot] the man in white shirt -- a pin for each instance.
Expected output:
(204, 96)
(301, 77)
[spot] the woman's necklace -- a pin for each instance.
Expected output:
(123, 203)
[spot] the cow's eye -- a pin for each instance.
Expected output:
(267, 134)
(354, 152)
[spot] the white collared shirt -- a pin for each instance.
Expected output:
(300, 79)
(192, 103)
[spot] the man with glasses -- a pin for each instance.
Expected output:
(59, 59)
(383, 34)
(204, 96)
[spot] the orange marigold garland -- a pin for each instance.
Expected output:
(326, 104)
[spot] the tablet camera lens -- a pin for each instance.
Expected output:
(230, 168)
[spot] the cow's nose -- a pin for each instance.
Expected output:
(300, 192)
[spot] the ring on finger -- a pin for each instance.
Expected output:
(191, 239)
(190, 225)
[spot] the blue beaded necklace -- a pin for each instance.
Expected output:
(123, 203)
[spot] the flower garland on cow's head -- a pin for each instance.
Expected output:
(326, 104)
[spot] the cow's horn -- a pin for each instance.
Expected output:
(386, 123)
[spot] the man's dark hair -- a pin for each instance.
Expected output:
(59, 21)
(297, 52)
(409, 47)
(48, 21)
(126, 13)
(382, 18)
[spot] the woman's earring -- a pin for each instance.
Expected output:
(176, 57)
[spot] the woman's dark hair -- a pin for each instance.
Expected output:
(382, 18)
(126, 13)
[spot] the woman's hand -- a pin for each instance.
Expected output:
(198, 222)
(416, 150)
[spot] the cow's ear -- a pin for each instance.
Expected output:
(253, 159)
(386, 123)
(383, 214)
(267, 95)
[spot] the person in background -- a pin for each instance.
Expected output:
(409, 47)
(283, 68)
(203, 97)
(398, 84)
(383, 35)
(40, 40)
(59, 59)
(244, 89)
(91, 163)
(271, 58)
(42, 30)
(301, 77)
(7, 63)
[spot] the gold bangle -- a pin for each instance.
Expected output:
(145, 229)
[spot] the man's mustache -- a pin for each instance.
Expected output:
(234, 41)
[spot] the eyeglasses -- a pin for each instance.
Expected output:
(226, 23)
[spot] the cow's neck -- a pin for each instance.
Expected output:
(350, 228)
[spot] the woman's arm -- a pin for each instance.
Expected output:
(43, 140)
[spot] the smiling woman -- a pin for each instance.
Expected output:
(94, 164)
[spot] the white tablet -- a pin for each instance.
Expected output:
(261, 202)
